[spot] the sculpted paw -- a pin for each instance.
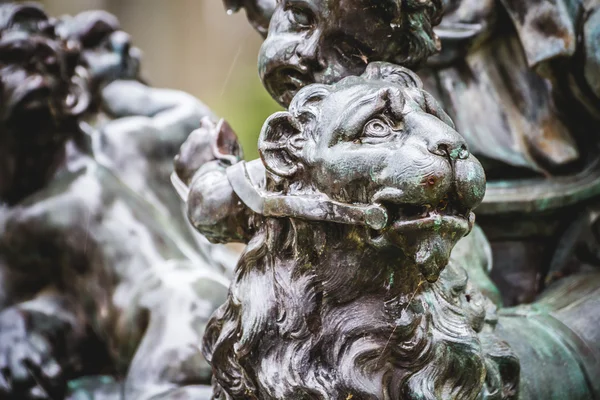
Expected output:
(28, 369)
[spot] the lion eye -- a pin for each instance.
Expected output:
(377, 128)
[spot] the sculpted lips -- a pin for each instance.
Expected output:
(286, 82)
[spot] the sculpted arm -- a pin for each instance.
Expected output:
(163, 117)
(259, 12)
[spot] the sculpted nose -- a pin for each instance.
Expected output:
(450, 145)
(307, 52)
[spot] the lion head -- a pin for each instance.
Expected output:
(338, 294)
(379, 139)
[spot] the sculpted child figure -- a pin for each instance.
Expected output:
(93, 279)
(346, 288)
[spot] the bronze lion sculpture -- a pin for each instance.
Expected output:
(367, 191)
(347, 290)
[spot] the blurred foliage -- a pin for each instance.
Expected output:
(245, 104)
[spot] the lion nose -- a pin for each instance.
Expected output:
(453, 147)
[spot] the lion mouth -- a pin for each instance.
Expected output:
(448, 214)
(426, 233)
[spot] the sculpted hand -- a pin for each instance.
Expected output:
(208, 143)
(27, 367)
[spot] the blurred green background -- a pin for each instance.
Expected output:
(193, 45)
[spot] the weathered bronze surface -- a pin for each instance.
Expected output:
(95, 277)
(517, 79)
(364, 275)
(533, 58)
(514, 76)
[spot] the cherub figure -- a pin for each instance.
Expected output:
(93, 279)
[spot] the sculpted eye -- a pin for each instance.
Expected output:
(301, 17)
(377, 128)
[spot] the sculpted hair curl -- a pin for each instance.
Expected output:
(279, 336)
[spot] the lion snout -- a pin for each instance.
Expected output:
(470, 182)
(443, 142)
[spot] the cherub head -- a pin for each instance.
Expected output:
(106, 50)
(325, 40)
(40, 92)
(379, 139)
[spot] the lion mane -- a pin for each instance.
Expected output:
(297, 327)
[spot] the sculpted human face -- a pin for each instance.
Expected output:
(322, 41)
(32, 74)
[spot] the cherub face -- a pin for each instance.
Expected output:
(106, 50)
(325, 40)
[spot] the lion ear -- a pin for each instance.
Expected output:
(280, 143)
